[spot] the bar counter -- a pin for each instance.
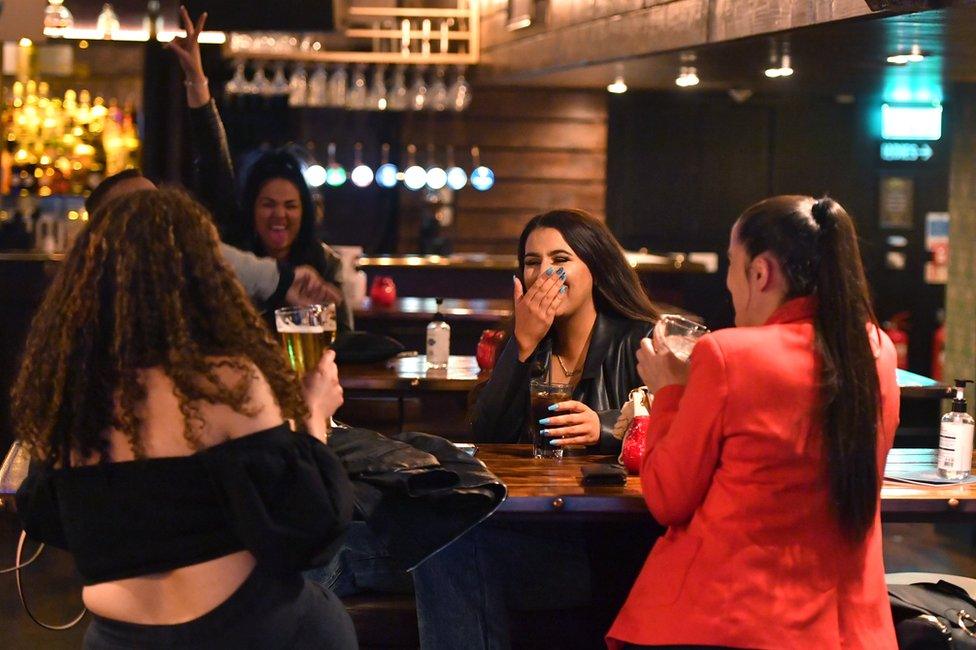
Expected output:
(642, 262)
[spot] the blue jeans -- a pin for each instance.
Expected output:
(465, 590)
(363, 564)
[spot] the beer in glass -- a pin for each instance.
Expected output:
(306, 332)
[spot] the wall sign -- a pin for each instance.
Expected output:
(905, 151)
(896, 202)
(937, 246)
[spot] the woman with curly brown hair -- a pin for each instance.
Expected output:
(155, 404)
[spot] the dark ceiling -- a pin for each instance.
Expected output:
(838, 58)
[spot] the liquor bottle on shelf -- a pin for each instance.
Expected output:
(438, 340)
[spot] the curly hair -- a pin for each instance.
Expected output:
(144, 286)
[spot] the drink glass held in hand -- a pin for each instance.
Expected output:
(678, 334)
(306, 332)
(544, 394)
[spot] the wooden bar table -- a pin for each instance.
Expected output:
(543, 488)
(442, 392)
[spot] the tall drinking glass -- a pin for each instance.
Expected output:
(543, 394)
(678, 334)
(306, 333)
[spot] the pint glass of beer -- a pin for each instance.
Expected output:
(306, 332)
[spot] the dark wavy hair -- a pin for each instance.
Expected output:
(144, 286)
(616, 288)
(280, 163)
(815, 243)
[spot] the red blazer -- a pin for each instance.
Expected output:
(753, 556)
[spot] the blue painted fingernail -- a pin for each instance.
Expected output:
(562, 273)
(549, 271)
(554, 407)
(544, 432)
(544, 421)
(554, 443)
(562, 289)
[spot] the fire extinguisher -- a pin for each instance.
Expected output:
(895, 329)
(938, 348)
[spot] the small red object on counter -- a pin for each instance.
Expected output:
(383, 291)
(635, 440)
(489, 346)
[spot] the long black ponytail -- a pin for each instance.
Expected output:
(816, 244)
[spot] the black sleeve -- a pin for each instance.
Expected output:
(290, 507)
(608, 443)
(37, 508)
(213, 170)
(286, 276)
(499, 414)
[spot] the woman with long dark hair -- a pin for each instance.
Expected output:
(767, 466)
(155, 404)
(580, 311)
(275, 216)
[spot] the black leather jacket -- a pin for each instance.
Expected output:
(500, 413)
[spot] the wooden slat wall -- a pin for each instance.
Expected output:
(546, 147)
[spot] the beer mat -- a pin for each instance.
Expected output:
(927, 476)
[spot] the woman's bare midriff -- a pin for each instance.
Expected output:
(173, 597)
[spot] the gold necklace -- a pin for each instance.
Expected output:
(561, 365)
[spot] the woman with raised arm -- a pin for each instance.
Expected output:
(156, 406)
(765, 455)
(275, 216)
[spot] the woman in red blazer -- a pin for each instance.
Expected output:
(767, 466)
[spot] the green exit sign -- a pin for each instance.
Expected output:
(905, 151)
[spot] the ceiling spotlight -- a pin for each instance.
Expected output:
(618, 86)
(688, 77)
(914, 55)
(779, 62)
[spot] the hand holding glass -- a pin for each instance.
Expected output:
(678, 334)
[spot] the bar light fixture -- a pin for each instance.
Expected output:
(780, 64)
(687, 73)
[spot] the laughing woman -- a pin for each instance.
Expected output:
(580, 312)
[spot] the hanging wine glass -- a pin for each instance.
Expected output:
(459, 95)
(418, 90)
(298, 87)
(482, 178)
(415, 176)
(457, 178)
(335, 174)
(362, 174)
(318, 92)
(337, 87)
(376, 98)
(386, 173)
(397, 99)
(235, 86)
(437, 93)
(436, 176)
(356, 97)
(260, 82)
(279, 84)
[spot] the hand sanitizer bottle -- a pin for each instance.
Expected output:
(438, 340)
(956, 438)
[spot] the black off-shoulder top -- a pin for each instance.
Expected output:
(283, 496)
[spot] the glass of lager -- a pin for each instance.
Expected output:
(306, 332)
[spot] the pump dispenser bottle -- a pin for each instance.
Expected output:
(438, 340)
(956, 438)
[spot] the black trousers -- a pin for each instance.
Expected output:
(267, 611)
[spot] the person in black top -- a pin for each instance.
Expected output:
(580, 312)
(155, 404)
(276, 213)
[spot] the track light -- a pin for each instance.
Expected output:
(618, 86)
(687, 77)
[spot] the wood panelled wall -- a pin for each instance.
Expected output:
(547, 149)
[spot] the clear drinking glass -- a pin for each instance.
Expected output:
(298, 87)
(397, 100)
(418, 91)
(306, 333)
(376, 98)
(543, 394)
(279, 83)
(437, 96)
(678, 334)
(356, 97)
(260, 82)
(318, 91)
(236, 84)
(337, 87)
(459, 94)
